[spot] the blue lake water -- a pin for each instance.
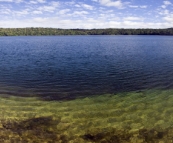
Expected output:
(71, 66)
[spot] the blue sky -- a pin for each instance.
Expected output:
(87, 14)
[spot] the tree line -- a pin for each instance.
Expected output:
(56, 31)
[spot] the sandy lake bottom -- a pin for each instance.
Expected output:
(129, 117)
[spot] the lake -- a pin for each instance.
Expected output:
(70, 66)
(86, 89)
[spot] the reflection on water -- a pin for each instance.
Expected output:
(72, 66)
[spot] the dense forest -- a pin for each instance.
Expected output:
(56, 31)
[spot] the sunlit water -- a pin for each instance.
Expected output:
(71, 66)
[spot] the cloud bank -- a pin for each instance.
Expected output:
(88, 14)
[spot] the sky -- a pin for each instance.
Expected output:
(86, 14)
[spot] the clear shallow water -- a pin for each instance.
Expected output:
(71, 66)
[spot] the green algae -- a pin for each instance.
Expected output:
(144, 116)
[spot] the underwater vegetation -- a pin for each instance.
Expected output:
(124, 136)
(131, 117)
(43, 129)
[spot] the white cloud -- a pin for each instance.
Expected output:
(143, 6)
(167, 2)
(80, 13)
(49, 8)
(138, 6)
(37, 12)
(87, 23)
(41, 1)
(164, 12)
(64, 11)
(33, 2)
(70, 3)
(5, 11)
(163, 6)
(21, 13)
(6, 0)
(55, 4)
(169, 18)
(110, 3)
(16, 1)
(118, 3)
(83, 5)
(40, 19)
(133, 6)
(86, 6)
(130, 18)
(73, 14)
(77, 5)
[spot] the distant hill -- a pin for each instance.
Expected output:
(56, 31)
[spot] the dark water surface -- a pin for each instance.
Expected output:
(71, 66)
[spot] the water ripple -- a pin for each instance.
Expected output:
(85, 65)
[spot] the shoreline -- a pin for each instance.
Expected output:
(40, 31)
